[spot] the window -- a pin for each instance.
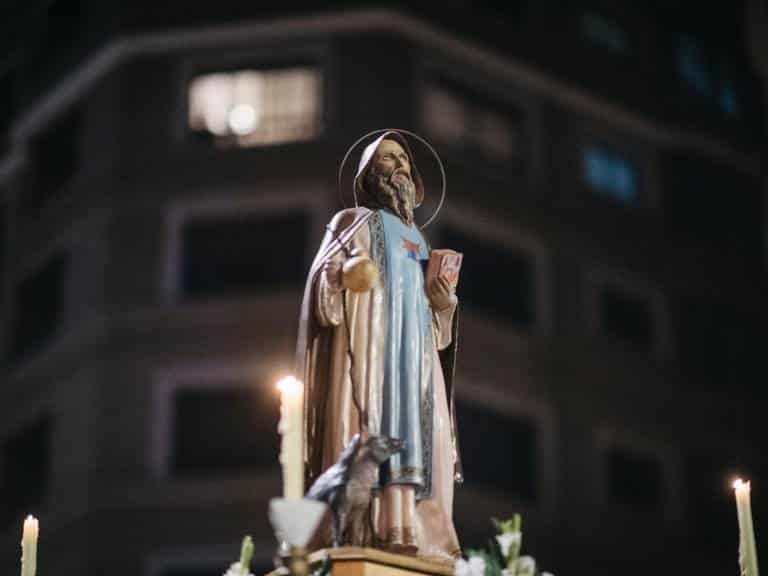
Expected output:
(610, 174)
(194, 571)
(263, 567)
(39, 307)
(480, 286)
(3, 243)
(229, 255)
(256, 107)
(729, 100)
(713, 206)
(634, 480)
(692, 66)
(24, 471)
(481, 460)
(603, 32)
(223, 427)
(709, 502)
(64, 21)
(626, 316)
(7, 103)
(445, 115)
(703, 342)
(455, 116)
(55, 157)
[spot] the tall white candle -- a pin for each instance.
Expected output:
(747, 548)
(292, 430)
(29, 546)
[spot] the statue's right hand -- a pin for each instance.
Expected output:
(332, 274)
(359, 273)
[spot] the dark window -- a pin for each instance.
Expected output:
(692, 66)
(224, 429)
(212, 571)
(703, 340)
(39, 307)
(625, 317)
(55, 154)
(256, 568)
(603, 31)
(243, 254)
(610, 174)
(484, 464)
(65, 18)
(3, 244)
(7, 103)
(713, 206)
(634, 480)
(729, 99)
(494, 279)
(709, 502)
(25, 467)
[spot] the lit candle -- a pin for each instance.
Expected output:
(29, 546)
(747, 549)
(291, 428)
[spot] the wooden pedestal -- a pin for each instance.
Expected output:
(351, 561)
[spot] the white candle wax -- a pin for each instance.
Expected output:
(747, 548)
(29, 546)
(291, 429)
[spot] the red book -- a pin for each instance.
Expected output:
(444, 262)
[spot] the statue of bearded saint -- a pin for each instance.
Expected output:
(376, 348)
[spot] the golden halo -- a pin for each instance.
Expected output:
(404, 133)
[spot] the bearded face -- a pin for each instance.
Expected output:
(395, 192)
(388, 182)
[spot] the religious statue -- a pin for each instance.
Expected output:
(376, 348)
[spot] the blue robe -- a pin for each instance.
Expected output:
(407, 387)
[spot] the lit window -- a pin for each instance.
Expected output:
(494, 135)
(610, 174)
(603, 32)
(467, 121)
(445, 115)
(257, 108)
(692, 65)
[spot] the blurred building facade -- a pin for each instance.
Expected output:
(162, 201)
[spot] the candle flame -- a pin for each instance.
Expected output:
(31, 526)
(739, 484)
(290, 386)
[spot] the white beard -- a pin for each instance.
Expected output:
(398, 194)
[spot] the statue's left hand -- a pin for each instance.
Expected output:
(441, 295)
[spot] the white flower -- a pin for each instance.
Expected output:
(547, 574)
(526, 565)
(237, 569)
(507, 572)
(475, 566)
(506, 540)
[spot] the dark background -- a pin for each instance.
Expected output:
(611, 367)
